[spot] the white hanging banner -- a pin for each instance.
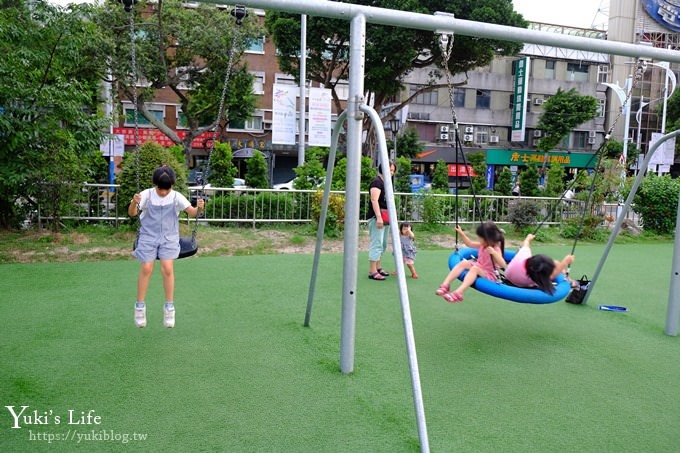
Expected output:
(319, 117)
(666, 154)
(114, 146)
(284, 125)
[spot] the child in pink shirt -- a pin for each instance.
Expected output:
(491, 245)
(535, 271)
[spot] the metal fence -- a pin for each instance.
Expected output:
(224, 206)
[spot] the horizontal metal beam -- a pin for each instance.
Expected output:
(406, 19)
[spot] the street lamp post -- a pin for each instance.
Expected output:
(394, 124)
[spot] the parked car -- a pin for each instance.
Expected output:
(208, 191)
(289, 185)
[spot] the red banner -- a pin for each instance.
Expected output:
(459, 170)
(156, 136)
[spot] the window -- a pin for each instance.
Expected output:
(481, 135)
(258, 82)
(426, 98)
(601, 103)
(580, 139)
(459, 97)
(255, 45)
(182, 120)
(157, 111)
(254, 123)
(577, 72)
(550, 69)
(483, 99)
(285, 79)
(602, 73)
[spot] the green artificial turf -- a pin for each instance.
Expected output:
(240, 373)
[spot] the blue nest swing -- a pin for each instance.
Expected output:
(507, 291)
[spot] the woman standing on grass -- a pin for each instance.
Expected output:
(376, 227)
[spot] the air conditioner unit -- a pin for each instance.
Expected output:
(468, 137)
(537, 133)
(493, 139)
(444, 137)
(535, 142)
(444, 128)
(592, 134)
(469, 129)
(591, 140)
(539, 101)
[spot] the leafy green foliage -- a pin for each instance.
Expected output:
(402, 182)
(528, 181)
(562, 112)
(222, 170)
(657, 202)
(440, 177)
(139, 168)
(258, 174)
(312, 172)
(555, 185)
(523, 213)
(335, 217)
(50, 79)
(591, 229)
(613, 149)
(504, 182)
(409, 143)
(478, 162)
(327, 42)
(368, 173)
(185, 50)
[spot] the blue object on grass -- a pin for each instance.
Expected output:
(616, 308)
(509, 292)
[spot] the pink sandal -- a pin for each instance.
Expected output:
(453, 297)
(443, 289)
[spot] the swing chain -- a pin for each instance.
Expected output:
(133, 68)
(446, 47)
(221, 112)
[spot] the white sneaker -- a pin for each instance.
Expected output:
(169, 317)
(140, 317)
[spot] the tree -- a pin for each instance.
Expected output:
(137, 170)
(408, 143)
(478, 163)
(222, 170)
(562, 112)
(258, 174)
(50, 129)
(388, 60)
(440, 177)
(613, 149)
(402, 182)
(183, 50)
(368, 172)
(504, 182)
(555, 185)
(528, 181)
(312, 172)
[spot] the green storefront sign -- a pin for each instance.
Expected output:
(522, 157)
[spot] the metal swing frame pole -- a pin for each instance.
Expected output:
(674, 296)
(324, 213)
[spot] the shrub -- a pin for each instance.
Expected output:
(591, 229)
(434, 209)
(657, 203)
(137, 171)
(260, 206)
(523, 213)
(335, 217)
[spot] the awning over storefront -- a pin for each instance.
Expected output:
(524, 157)
(447, 154)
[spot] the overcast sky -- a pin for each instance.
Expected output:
(576, 13)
